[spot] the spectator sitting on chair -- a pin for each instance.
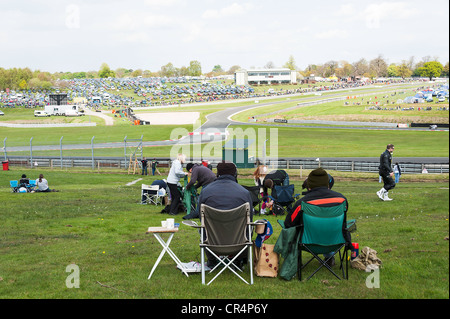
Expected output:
(225, 193)
(318, 186)
(24, 181)
(162, 185)
(203, 176)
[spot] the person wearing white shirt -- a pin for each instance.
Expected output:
(42, 185)
(175, 174)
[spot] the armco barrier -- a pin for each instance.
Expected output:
(291, 163)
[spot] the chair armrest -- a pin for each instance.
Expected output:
(257, 222)
(191, 223)
(351, 225)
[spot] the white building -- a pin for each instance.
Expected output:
(265, 76)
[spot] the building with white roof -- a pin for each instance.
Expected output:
(265, 76)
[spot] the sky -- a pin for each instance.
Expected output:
(80, 35)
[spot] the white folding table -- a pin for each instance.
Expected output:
(157, 231)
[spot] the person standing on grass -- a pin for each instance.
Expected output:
(175, 174)
(397, 172)
(201, 176)
(386, 173)
(154, 169)
(144, 163)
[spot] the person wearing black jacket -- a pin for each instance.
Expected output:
(201, 176)
(24, 181)
(386, 173)
(225, 193)
(318, 186)
(144, 163)
(278, 177)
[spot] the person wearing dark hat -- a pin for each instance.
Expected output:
(225, 193)
(318, 186)
(201, 176)
(330, 183)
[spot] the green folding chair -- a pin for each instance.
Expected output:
(323, 231)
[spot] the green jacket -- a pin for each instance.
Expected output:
(287, 247)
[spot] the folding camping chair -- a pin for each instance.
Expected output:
(14, 186)
(322, 232)
(255, 195)
(32, 185)
(283, 197)
(150, 195)
(225, 233)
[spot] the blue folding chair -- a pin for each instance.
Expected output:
(14, 186)
(283, 197)
(32, 185)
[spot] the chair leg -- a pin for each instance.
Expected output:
(323, 263)
(228, 265)
(299, 266)
(344, 258)
(202, 256)
(250, 263)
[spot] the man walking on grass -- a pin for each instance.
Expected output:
(386, 173)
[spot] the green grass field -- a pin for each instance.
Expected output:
(96, 222)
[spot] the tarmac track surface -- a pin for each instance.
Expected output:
(216, 125)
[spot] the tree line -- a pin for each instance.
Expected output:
(24, 78)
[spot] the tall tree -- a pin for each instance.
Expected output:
(329, 68)
(105, 71)
(431, 69)
(195, 68)
(217, 69)
(290, 64)
(233, 69)
(378, 66)
(360, 67)
(168, 70)
(403, 70)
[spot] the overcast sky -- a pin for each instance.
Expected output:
(80, 35)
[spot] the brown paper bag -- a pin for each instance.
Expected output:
(265, 261)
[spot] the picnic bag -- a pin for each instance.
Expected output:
(265, 260)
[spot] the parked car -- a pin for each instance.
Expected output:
(41, 114)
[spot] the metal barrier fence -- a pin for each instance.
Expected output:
(97, 163)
